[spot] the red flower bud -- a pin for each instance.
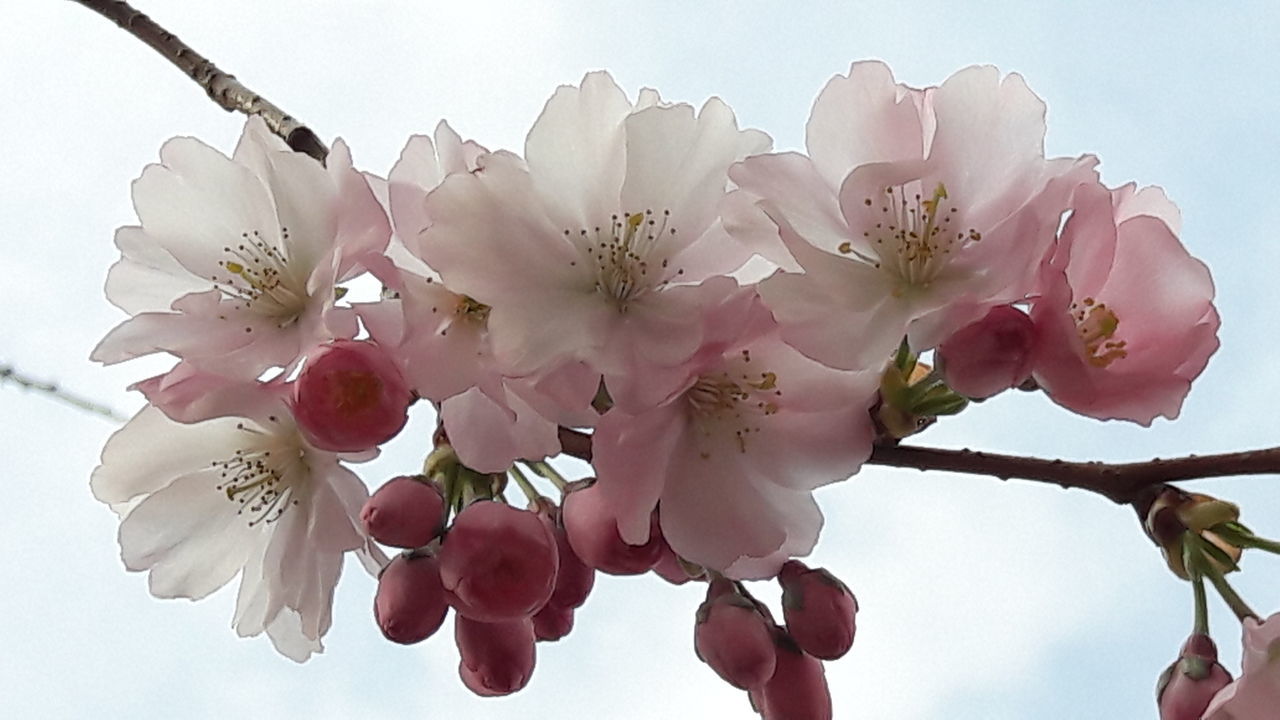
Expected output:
(498, 563)
(409, 604)
(406, 512)
(990, 355)
(798, 689)
(818, 609)
(574, 578)
(733, 638)
(497, 658)
(1188, 685)
(552, 622)
(350, 396)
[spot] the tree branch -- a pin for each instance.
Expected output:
(1122, 483)
(9, 374)
(223, 88)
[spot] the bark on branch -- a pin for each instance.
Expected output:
(1131, 483)
(223, 88)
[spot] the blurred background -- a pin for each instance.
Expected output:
(979, 598)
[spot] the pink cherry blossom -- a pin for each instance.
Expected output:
(235, 264)
(732, 457)
(915, 212)
(443, 341)
(591, 528)
(615, 210)
(498, 563)
(1125, 320)
(1256, 693)
(200, 503)
(406, 512)
(410, 604)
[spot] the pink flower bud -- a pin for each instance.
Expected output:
(574, 578)
(990, 355)
(552, 622)
(498, 563)
(798, 689)
(670, 568)
(409, 605)
(593, 533)
(1188, 685)
(819, 610)
(406, 512)
(350, 396)
(733, 638)
(497, 658)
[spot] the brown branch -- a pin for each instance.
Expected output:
(1122, 483)
(223, 88)
(9, 374)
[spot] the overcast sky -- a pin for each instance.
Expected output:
(980, 599)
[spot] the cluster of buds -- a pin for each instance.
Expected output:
(780, 667)
(510, 575)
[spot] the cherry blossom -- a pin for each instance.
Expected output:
(1256, 693)
(1114, 338)
(235, 264)
(731, 458)
(200, 503)
(916, 211)
(589, 249)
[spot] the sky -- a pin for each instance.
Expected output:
(979, 598)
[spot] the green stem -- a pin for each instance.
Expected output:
(550, 473)
(526, 487)
(1201, 625)
(1230, 596)
(1270, 546)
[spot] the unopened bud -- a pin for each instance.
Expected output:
(1188, 685)
(350, 396)
(733, 638)
(409, 604)
(990, 355)
(574, 578)
(497, 562)
(552, 622)
(406, 512)
(819, 610)
(798, 689)
(593, 532)
(497, 658)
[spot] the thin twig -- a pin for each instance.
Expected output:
(9, 374)
(223, 88)
(1122, 483)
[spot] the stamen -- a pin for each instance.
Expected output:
(621, 254)
(1097, 324)
(260, 277)
(915, 237)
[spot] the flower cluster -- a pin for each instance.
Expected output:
(731, 328)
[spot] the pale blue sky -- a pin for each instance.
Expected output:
(980, 599)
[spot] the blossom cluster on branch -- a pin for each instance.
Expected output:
(734, 327)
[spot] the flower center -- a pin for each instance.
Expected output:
(472, 311)
(258, 275)
(914, 238)
(1096, 324)
(625, 255)
(258, 481)
(733, 398)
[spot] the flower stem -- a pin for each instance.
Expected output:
(526, 487)
(1201, 624)
(1230, 596)
(545, 470)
